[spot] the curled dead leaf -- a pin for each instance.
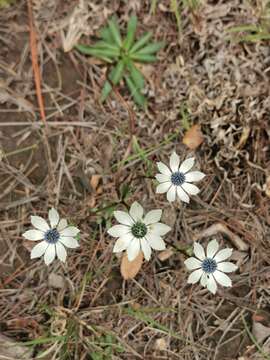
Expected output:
(165, 254)
(94, 182)
(193, 137)
(129, 269)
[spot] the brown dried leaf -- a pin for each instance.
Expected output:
(129, 269)
(95, 181)
(193, 137)
(267, 186)
(165, 254)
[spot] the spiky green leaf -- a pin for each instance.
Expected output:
(141, 42)
(118, 73)
(100, 53)
(151, 48)
(131, 29)
(106, 35)
(105, 45)
(107, 88)
(135, 93)
(114, 29)
(143, 57)
(136, 75)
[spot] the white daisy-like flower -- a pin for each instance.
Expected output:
(54, 237)
(210, 268)
(177, 179)
(137, 232)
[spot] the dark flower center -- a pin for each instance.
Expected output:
(178, 178)
(51, 236)
(209, 265)
(139, 229)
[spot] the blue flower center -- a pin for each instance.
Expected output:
(209, 265)
(178, 178)
(52, 236)
(139, 230)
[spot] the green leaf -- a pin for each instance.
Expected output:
(131, 29)
(105, 45)
(151, 48)
(100, 53)
(107, 88)
(143, 57)
(118, 73)
(106, 35)
(137, 96)
(136, 75)
(141, 42)
(243, 28)
(114, 29)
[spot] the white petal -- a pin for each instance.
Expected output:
(163, 178)
(146, 249)
(39, 249)
(136, 211)
(70, 231)
(204, 280)
(223, 254)
(195, 276)
(187, 165)
(171, 194)
(190, 188)
(159, 229)
(62, 224)
(49, 254)
(222, 278)
(123, 218)
(53, 217)
(61, 251)
(199, 251)
(164, 187)
(119, 230)
(33, 235)
(212, 248)
(133, 249)
(194, 176)
(156, 242)
(211, 284)
(39, 223)
(193, 263)
(152, 216)
(174, 162)
(163, 168)
(122, 243)
(227, 267)
(69, 242)
(182, 194)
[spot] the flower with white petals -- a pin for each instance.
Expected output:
(177, 179)
(137, 232)
(54, 237)
(210, 268)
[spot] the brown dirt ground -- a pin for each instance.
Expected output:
(204, 76)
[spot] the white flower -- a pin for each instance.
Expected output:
(138, 232)
(54, 237)
(210, 268)
(177, 180)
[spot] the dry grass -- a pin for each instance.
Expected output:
(83, 309)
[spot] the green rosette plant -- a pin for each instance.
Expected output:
(122, 54)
